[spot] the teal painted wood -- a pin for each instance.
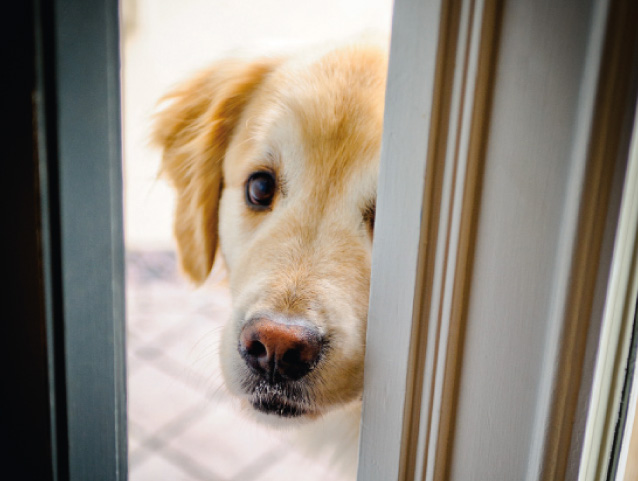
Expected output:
(87, 289)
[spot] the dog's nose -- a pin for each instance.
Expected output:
(278, 351)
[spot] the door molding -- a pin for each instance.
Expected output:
(505, 145)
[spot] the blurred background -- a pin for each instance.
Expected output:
(183, 426)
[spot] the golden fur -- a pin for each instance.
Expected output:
(316, 123)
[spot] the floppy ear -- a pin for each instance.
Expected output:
(194, 130)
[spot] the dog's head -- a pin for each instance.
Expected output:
(278, 159)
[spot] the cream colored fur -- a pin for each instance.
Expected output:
(315, 122)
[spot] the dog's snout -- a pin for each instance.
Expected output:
(279, 351)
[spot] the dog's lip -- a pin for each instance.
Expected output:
(285, 399)
(280, 406)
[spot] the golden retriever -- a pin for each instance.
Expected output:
(275, 164)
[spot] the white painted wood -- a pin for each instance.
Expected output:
(446, 311)
(447, 243)
(615, 339)
(478, 324)
(537, 248)
(568, 234)
(403, 169)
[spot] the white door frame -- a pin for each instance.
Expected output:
(504, 153)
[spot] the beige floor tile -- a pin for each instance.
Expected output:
(155, 398)
(195, 345)
(159, 468)
(133, 441)
(296, 466)
(226, 442)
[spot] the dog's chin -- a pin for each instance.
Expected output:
(280, 415)
(281, 410)
(279, 404)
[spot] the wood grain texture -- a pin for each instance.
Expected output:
(398, 245)
(599, 150)
(469, 160)
(606, 447)
(88, 173)
(512, 251)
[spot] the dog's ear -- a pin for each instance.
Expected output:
(194, 129)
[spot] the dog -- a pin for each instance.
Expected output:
(275, 165)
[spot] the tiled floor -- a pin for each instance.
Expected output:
(183, 426)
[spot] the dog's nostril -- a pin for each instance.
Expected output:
(256, 349)
(292, 356)
(280, 351)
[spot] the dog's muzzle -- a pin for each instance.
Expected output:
(279, 356)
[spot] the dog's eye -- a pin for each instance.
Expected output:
(260, 190)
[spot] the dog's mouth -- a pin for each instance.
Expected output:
(281, 407)
(286, 400)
